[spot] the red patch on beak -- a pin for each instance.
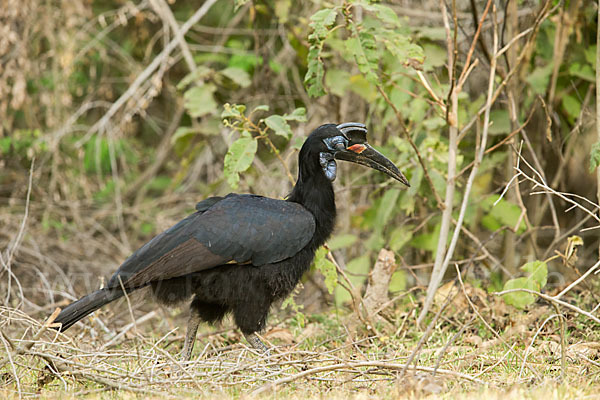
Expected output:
(357, 148)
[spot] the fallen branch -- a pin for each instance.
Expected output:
(375, 364)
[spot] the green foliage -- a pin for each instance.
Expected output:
(327, 268)
(320, 25)
(241, 153)
(24, 143)
(97, 157)
(357, 51)
(289, 302)
(502, 213)
(379, 37)
(364, 49)
(239, 157)
(595, 156)
(237, 75)
(342, 241)
(199, 100)
(357, 270)
(279, 125)
(536, 278)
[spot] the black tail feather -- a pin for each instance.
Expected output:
(85, 306)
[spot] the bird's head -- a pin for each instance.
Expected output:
(348, 142)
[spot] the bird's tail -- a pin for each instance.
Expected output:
(85, 306)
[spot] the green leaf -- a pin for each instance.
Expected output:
(182, 132)
(363, 48)
(247, 62)
(536, 279)
(504, 213)
(428, 241)
(97, 155)
(398, 281)
(384, 212)
(590, 55)
(239, 157)
(595, 156)
(282, 10)
(279, 125)
(358, 268)
(583, 71)
(539, 78)
(501, 122)
(234, 111)
(320, 24)
(384, 13)
(262, 107)
(237, 75)
(572, 106)
(322, 20)
(538, 272)
(5, 144)
(314, 74)
(362, 87)
(299, 114)
(341, 241)
(298, 142)
(199, 100)
(159, 183)
(275, 66)
(400, 237)
(435, 56)
(519, 299)
(239, 3)
(337, 81)
(327, 268)
(197, 76)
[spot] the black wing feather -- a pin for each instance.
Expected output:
(242, 228)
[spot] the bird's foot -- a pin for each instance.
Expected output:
(186, 354)
(253, 339)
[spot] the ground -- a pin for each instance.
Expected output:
(496, 352)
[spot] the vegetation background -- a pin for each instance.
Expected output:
(116, 117)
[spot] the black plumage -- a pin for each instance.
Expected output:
(240, 253)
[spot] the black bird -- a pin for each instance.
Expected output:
(240, 253)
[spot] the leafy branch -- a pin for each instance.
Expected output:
(242, 151)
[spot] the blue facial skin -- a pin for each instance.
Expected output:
(327, 160)
(328, 164)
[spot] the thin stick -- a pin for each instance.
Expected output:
(452, 122)
(463, 74)
(552, 300)
(23, 348)
(163, 9)
(576, 282)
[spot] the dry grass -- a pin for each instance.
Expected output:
(326, 358)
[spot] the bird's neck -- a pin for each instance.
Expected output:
(315, 192)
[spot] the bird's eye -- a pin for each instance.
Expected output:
(336, 143)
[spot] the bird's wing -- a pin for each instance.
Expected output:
(237, 228)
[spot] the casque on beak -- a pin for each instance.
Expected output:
(360, 152)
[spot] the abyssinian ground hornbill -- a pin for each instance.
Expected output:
(240, 253)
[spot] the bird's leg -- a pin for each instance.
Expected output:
(253, 339)
(190, 335)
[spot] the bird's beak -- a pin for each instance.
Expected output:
(366, 155)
